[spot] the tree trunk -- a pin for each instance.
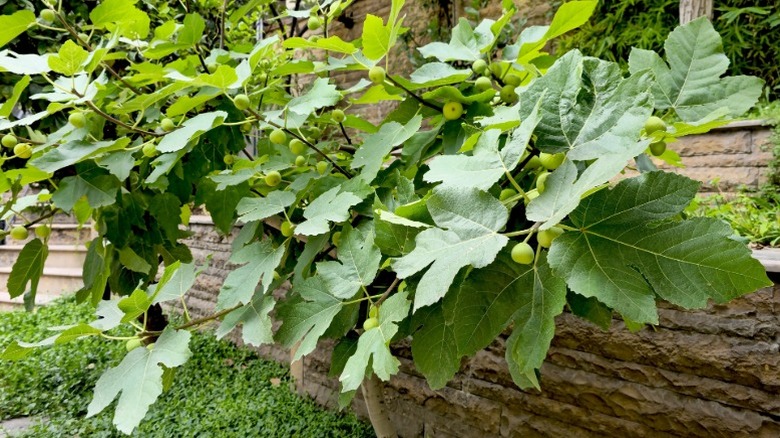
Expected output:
(691, 9)
(296, 371)
(375, 403)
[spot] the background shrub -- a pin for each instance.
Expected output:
(750, 31)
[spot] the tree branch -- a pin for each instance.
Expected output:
(389, 290)
(119, 122)
(344, 131)
(415, 96)
(304, 140)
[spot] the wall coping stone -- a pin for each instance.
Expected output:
(745, 124)
(769, 257)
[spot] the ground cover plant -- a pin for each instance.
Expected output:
(482, 201)
(754, 216)
(225, 390)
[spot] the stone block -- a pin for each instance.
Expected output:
(731, 178)
(717, 142)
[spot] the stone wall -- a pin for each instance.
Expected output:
(735, 154)
(712, 372)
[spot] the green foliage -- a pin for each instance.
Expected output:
(749, 30)
(403, 229)
(220, 388)
(755, 217)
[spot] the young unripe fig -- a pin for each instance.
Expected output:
(241, 102)
(452, 110)
(300, 161)
(167, 125)
(336, 238)
(338, 115)
(229, 159)
(513, 80)
(523, 253)
(658, 148)
(297, 147)
(541, 180)
(551, 161)
(132, 344)
(23, 150)
(48, 15)
(42, 231)
(479, 66)
(19, 233)
(496, 69)
(277, 136)
(654, 124)
(149, 150)
(370, 323)
(508, 94)
(377, 74)
(78, 119)
(287, 228)
(273, 178)
(9, 141)
(506, 194)
(322, 167)
(373, 311)
(546, 237)
(533, 163)
(314, 22)
(483, 83)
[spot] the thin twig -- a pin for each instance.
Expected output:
(534, 152)
(278, 20)
(415, 96)
(198, 321)
(344, 131)
(294, 24)
(222, 25)
(248, 155)
(25, 140)
(202, 61)
(389, 290)
(119, 122)
(42, 218)
(205, 319)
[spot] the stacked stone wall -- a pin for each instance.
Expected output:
(711, 372)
